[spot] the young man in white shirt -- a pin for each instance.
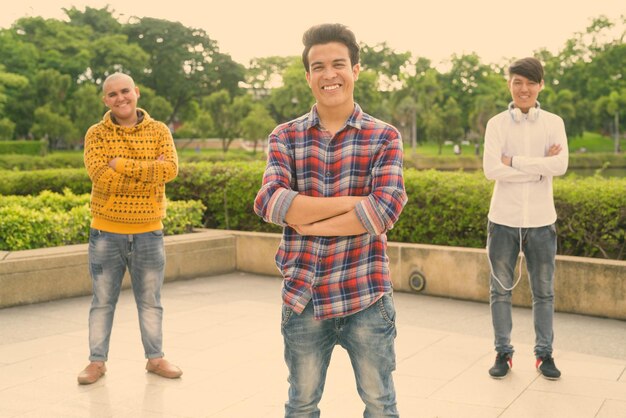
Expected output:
(525, 147)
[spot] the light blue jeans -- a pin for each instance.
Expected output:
(109, 257)
(539, 248)
(368, 337)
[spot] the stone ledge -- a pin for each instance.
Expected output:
(46, 274)
(587, 286)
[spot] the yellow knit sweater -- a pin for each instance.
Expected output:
(129, 199)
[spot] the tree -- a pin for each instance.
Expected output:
(294, 97)
(366, 94)
(61, 47)
(85, 107)
(158, 107)
(227, 114)
(7, 127)
(383, 60)
(467, 78)
(184, 63)
(101, 21)
(57, 129)
(485, 107)
(611, 105)
(433, 125)
(406, 114)
(264, 74)
(257, 125)
(452, 121)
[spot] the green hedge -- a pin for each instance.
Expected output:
(445, 208)
(24, 183)
(23, 147)
(19, 162)
(51, 219)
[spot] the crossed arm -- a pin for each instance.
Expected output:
(325, 216)
(554, 150)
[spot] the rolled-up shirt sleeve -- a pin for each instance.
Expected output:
(275, 196)
(379, 212)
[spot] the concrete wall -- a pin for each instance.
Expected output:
(54, 273)
(586, 286)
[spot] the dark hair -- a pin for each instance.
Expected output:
(529, 67)
(326, 33)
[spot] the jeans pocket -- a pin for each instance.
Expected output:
(286, 315)
(387, 309)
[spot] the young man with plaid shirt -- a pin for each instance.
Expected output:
(334, 181)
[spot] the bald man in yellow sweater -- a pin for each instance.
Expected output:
(129, 157)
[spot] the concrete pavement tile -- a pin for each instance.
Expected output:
(18, 352)
(80, 408)
(408, 386)
(475, 387)
(583, 386)
(612, 409)
(606, 370)
(447, 358)
(433, 408)
(536, 404)
(411, 340)
(263, 405)
(37, 394)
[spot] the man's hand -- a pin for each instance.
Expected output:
(112, 163)
(554, 150)
(507, 160)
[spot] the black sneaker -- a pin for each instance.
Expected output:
(545, 366)
(504, 362)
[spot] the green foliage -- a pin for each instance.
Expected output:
(228, 191)
(23, 147)
(592, 213)
(7, 128)
(444, 208)
(51, 219)
(33, 182)
(56, 128)
(183, 216)
(18, 162)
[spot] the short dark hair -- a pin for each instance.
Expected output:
(326, 33)
(529, 67)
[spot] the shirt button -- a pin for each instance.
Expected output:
(328, 174)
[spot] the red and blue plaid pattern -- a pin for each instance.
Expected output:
(344, 274)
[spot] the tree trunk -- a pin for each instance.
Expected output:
(617, 147)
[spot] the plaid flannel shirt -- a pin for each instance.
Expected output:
(344, 274)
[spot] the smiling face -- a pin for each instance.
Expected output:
(331, 77)
(120, 95)
(524, 91)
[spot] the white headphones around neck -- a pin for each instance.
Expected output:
(518, 116)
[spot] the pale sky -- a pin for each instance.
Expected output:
(496, 30)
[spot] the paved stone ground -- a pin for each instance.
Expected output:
(224, 332)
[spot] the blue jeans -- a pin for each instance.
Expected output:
(109, 257)
(539, 248)
(368, 337)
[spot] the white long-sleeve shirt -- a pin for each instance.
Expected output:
(522, 196)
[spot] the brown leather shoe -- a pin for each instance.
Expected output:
(92, 373)
(164, 368)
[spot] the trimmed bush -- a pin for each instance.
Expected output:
(17, 162)
(51, 219)
(55, 180)
(23, 147)
(444, 208)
